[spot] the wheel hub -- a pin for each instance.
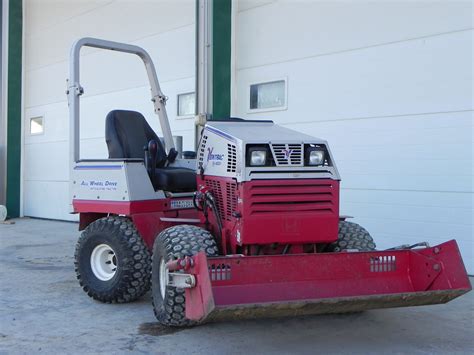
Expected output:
(103, 262)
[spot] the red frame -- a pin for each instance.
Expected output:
(313, 282)
(146, 215)
(298, 212)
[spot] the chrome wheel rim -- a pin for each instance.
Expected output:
(163, 278)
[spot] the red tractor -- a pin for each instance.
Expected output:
(247, 226)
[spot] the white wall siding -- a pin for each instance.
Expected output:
(111, 81)
(389, 85)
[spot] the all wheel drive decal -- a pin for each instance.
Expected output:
(98, 167)
(98, 185)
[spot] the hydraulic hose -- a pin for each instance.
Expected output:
(204, 200)
(212, 203)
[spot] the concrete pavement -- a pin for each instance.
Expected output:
(43, 310)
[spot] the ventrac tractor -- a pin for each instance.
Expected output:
(246, 226)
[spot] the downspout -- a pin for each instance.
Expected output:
(14, 107)
(3, 102)
(213, 61)
(221, 58)
(203, 66)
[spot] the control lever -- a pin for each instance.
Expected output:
(172, 154)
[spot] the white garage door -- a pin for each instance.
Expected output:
(111, 81)
(389, 85)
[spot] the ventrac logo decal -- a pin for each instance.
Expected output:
(287, 153)
(216, 159)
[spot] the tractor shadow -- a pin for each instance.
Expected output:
(156, 329)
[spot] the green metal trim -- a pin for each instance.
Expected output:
(15, 24)
(221, 58)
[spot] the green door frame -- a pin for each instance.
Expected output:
(221, 58)
(14, 108)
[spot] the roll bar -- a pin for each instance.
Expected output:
(74, 90)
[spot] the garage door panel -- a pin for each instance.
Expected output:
(399, 199)
(98, 76)
(55, 123)
(426, 214)
(46, 161)
(448, 183)
(43, 192)
(413, 77)
(331, 27)
(113, 22)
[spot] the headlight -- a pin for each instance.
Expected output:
(258, 157)
(315, 157)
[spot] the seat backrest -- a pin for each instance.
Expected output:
(127, 133)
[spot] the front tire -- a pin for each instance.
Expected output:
(113, 264)
(169, 303)
(352, 237)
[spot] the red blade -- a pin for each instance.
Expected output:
(199, 299)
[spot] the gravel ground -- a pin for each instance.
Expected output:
(43, 310)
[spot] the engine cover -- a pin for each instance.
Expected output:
(223, 145)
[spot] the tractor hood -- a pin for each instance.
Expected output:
(226, 147)
(260, 132)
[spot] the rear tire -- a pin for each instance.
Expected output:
(173, 243)
(352, 237)
(113, 264)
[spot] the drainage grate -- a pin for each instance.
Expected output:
(383, 263)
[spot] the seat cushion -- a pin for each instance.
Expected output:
(175, 179)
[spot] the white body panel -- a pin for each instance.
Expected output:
(213, 154)
(112, 181)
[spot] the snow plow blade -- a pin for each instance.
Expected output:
(243, 287)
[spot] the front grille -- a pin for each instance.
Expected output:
(292, 198)
(225, 194)
(216, 189)
(287, 154)
(231, 158)
(202, 150)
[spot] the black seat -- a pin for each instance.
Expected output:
(127, 133)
